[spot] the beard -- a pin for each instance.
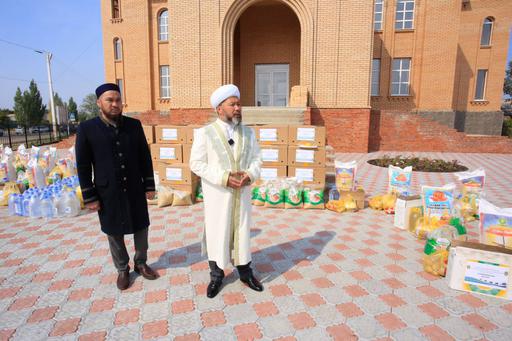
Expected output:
(236, 120)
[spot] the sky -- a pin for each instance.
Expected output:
(71, 31)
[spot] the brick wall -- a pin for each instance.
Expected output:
(396, 131)
(346, 129)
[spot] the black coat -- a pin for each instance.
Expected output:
(123, 172)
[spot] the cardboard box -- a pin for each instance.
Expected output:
(357, 195)
(308, 175)
(169, 153)
(298, 156)
(272, 173)
(481, 269)
(176, 174)
(270, 134)
(149, 132)
(274, 155)
(408, 210)
(306, 136)
(170, 134)
(190, 132)
(186, 153)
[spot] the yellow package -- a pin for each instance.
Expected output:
(182, 198)
(165, 196)
(436, 263)
(9, 188)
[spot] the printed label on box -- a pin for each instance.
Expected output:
(268, 173)
(302, 155)
(270, 155)
(305, 134)
(268, 134)
(173, 174)
(304, 174)
(169, 134)
(167, 153)
(486, 278)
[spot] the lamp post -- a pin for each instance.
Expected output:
(50, 86)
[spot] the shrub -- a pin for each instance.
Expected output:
(419, 164)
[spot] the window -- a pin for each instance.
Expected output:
(119, 83)
(118, 50)
(377, 15)
(404, 14)
(486, 32)
(116, 10)
(480, 84)
(375, 77)
(400, 77)
(165, 82)
(163, 26)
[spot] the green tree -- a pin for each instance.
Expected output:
(58, 101)
(4, 117)
(507, 86)
(88, 108)
(72, 107)
(28, 107)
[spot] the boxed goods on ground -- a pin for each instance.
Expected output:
(306, 136)
(170, 134)
(481, 269)
(308, 175)
(408, 210)
(186, 148)
(269, 134)
(274, 155)
(176, 174)
(438, 208)
(149, 132)
(472, 184)
(495, 225)
(190, 130)
(272, 173)
(300, 156)
(168, 153)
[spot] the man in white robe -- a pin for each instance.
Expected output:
(226, 155)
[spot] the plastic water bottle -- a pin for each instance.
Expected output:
(34, 206)
(71, 206)
(25, 204)
(12, 203)
(18, 204)
(47, 209)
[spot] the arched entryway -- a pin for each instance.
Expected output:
(264, 49)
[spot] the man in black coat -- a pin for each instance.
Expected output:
(113, 148)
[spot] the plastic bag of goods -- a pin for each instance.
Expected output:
(182, 198)
(384, 202)
(438, 204)
(472, 184)
(293, 194)
(7, 166)
(259, 194)
(436, 251)
(199, 193)
(313, 197)
(54, 175)
(165, 196)
(9, 188)
(399, 179)
(345, 175)
(495, 225)
(21, 158)
(275, 194)
(345, 204)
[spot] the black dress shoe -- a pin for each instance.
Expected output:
(213, 288)
(253, 283)
(146, 271)
(123, 280)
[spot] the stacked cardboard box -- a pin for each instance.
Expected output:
(171, 154)
(293, 151)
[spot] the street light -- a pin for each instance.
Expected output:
(50, 86)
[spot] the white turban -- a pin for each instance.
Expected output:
(223, 93)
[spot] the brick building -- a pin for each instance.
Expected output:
(376, 73)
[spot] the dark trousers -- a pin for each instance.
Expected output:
(217, 274)
(120, 254)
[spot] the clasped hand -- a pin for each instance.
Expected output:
(238, 179)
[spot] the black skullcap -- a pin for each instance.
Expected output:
(106, 87)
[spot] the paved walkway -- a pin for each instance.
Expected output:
(326, 276)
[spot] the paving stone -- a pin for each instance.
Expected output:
(276, 326)
(204, 303)
(128, 300)
(407, 334)
(375, 287)
(72, 309)
(97, 322)
(240, 314)
(222, 333)
(130, 331)
(500, 334)
(52, 298)
(289, 304)
(459, 329)
(155, 311)
(13, 319)
(326, 315)
(182, 324)
(316, 333)
(34, 331)
(497, 316)
(413, 316)
(372, 305)
(366, 327)
(412, 295)
(181, 292)
(454, 306)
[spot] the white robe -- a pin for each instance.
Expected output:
(227, 211)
